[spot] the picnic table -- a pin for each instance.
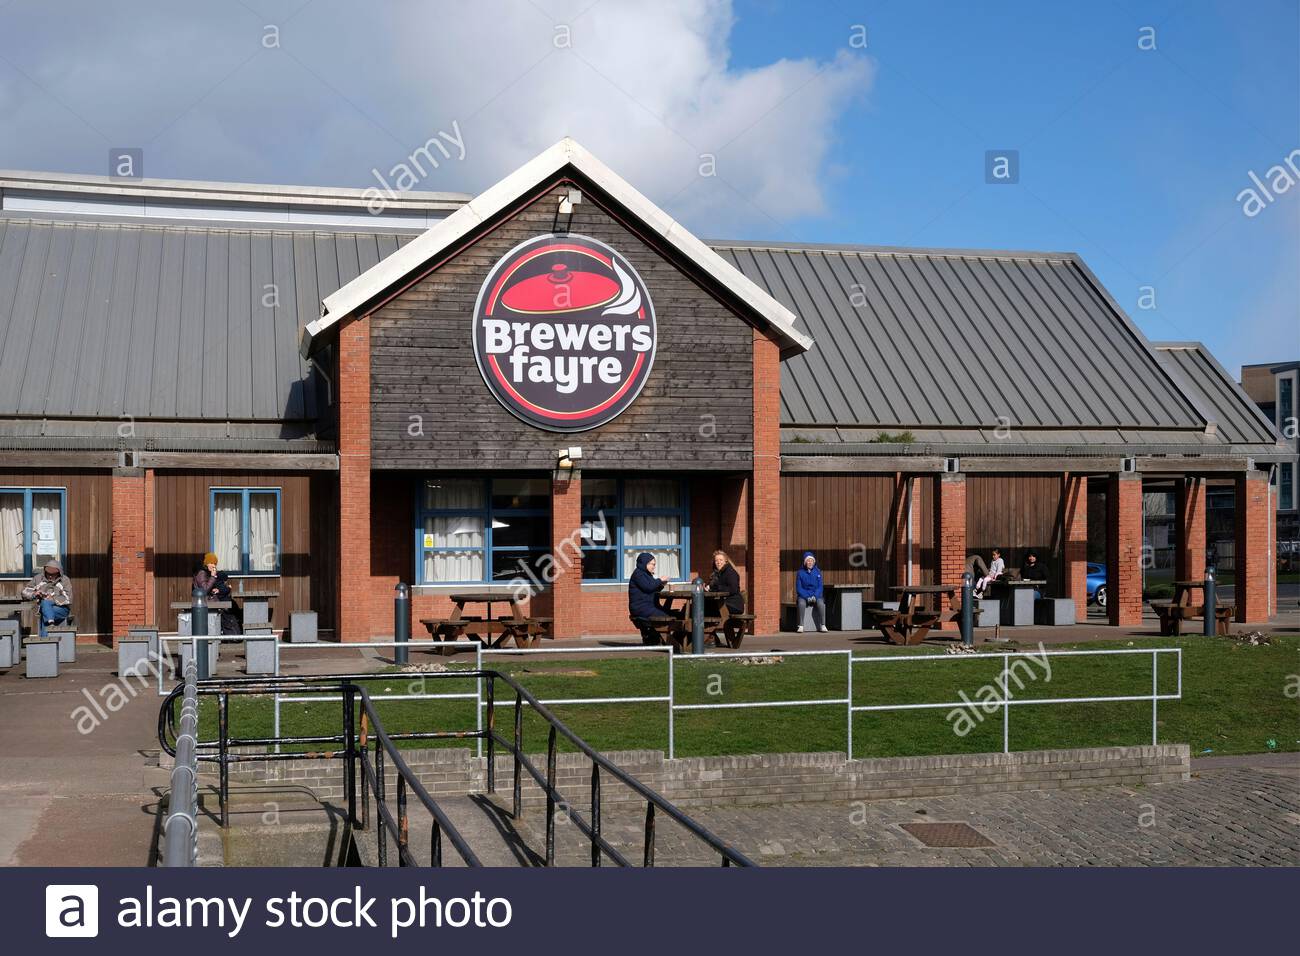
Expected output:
(677, 630)
(255, 605)
(1173, 613)
(911, 622)
(525, 631)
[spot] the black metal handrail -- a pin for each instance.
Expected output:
(355, 754)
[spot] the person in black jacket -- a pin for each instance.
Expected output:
(643, 594)
(1034, 570)
(725, 582)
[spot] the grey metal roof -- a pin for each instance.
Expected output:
(102, 319)
(915, 338)
(1238, 420)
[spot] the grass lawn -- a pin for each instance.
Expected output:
(1234, 701)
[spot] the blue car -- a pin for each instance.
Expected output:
(1097, 584)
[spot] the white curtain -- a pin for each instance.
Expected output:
(651, 493)
(450, 566)
(651, 533)
(226, 513)
(263, 549)
(11, 533)
(453, 531)
(47, 527)
(447, 493)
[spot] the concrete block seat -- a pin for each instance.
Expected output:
(133, 654)
(1054, 611)
(11, 642)
(42, 656)
(67, 638)
(990, 611)
(302, 627)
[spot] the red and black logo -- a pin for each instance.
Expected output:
(564, 332)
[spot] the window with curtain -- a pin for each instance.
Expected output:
(475, 530)
(621, 517)
(32, 529)
(246, 530)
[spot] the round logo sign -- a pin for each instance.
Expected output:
(564, 332)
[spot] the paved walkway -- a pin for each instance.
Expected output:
(1244, 816)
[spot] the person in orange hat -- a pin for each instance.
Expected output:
(216, 587)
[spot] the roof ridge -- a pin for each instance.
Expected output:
(876, 250)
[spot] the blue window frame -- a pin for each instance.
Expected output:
(621, 517)
(244, 529)
(33, 529)
(472, 530)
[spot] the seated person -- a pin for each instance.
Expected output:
(53, 592)
(1033, 570)
(643, 599)
(725, 582)
(808, 589)
(215, 586)
(996, 568)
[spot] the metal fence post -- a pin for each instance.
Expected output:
(401, 622)
(223, 734)
(491, 738)
(198, 629)
(350, 757)
(550, 797)
(967, 610)
(672, 705)
(697, 616)
(849, 695)
(1006, 703)
(1211, 602)
(1155, 694)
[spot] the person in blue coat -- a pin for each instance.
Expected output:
(643, 594)
(808, 590)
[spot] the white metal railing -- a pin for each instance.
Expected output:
(1004, 701)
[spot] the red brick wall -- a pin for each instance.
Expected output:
(354, 611)
(950, 530)
(1124, 546)
(128, 549)
(1255, 564)
(1074, 501)
(566, 586)
(765, 517)
(1189, 529)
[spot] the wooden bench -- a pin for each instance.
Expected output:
(663, 630)
(735, 627)
(900, 627)
(1172, 616)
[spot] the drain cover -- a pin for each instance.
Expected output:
(947, 834)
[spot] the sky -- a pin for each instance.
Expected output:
(1136, 125)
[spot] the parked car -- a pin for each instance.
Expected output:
(1097, 584)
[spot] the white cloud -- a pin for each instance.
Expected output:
(648, 87)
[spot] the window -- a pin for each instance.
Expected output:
(1286, 487)
(1285, 404)
(475, 530)
(621, 517)
(246, 529)
(32, 529)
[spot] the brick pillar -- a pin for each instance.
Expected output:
(128, 543)
(1074, 496)
(949, 532)
(1124, 549)
(150, 593)
(354, 591)
(1251, 520)
(1189, 529)
(765, 490)
(566, 554)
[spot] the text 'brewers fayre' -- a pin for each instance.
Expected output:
(564, 332)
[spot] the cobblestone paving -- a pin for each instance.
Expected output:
(1231, 817)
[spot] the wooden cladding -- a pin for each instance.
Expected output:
(88, 536)
(1019, 514)
(308, 544)
(431, 410)
(847, 520)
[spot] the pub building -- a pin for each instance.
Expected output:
(538, 383)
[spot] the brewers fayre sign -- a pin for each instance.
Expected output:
(564, 332)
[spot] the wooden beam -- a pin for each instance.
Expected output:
(862, 464)
(43, 459)
(225, 460)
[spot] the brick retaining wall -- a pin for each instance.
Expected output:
(765, 778)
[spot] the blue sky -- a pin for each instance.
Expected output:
(1133, 158)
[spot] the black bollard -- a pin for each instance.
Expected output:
(199, 628)
(967, 610)
(697, 616)
(1210, 601)
(401, 622)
